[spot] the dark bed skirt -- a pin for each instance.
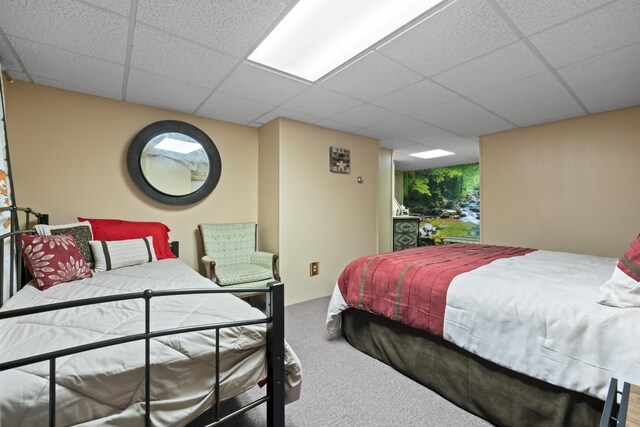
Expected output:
(501, 396)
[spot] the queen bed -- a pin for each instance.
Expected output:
(153, 343)
(516, 336)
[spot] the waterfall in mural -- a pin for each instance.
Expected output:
(6, 197)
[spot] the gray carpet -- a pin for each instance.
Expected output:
(344, 387)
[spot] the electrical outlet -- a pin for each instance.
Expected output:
(314, 268)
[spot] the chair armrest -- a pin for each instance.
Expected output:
(210, 268)
(267, 260)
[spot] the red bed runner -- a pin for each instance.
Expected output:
(410, 286)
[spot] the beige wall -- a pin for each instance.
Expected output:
(385, 198)
(570, 185)
(269, 188)
(68, 155)
(326, 217)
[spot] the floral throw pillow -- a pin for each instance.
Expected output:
(52, 260)
(623, 288)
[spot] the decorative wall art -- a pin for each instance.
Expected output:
(339, 160)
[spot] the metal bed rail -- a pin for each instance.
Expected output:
(274, 320)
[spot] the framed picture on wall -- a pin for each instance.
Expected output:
(339, 160)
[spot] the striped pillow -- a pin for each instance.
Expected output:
(109, 255)
(623, 288)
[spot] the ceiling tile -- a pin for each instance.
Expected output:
(595, 33)
(416, 97)
(612, 95)
(75, 87)
(370, 133)
(445, 113)
(597, 70)
(540, 86)
(75, 70)
(411, 129)
(365, 115)
(337, 125)
(287, 114)
(320, 102)
(151, 89)
(251, 82)
(230, 26)
(67, 24)
(7, 59)
(370, 77)
(160, 53)
(481, 124)
(468, 148)
(533, 16)
(232, 108)
(464, 30)
(122, 7)
(543, 110)
(17, 75)
(393, 143)
(505, 65)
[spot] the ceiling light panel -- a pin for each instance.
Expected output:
(317, 36)
(432, 154)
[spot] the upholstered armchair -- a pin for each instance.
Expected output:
(231, 258)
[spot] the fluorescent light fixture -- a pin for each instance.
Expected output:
(317, 36)
(178, 146)
(432, 154)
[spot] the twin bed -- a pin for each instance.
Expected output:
(516, 336)
(153, 343)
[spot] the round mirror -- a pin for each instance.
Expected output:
(174, 162)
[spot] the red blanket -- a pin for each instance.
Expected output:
(410, 286)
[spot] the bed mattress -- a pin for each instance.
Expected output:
(537, 314)
(105, 386)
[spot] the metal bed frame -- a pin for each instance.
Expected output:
(274, 294)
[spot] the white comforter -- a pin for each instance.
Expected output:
(537, 314)
(106, 387)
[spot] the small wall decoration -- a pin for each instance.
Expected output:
(339, 160)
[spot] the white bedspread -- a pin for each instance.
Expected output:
(537, 314)
(107, 385)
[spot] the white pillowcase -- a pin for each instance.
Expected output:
(109, 255)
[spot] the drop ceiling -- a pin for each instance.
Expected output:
(464, 69)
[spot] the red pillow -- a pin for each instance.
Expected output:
(52, 260)
(117, 229)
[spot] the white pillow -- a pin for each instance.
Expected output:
(109, 255)
(623, 288)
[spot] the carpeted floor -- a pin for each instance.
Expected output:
(344, 387)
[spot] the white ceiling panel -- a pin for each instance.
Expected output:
(505, 65)
(468, 148)
(409, 128)
(123, 7)
(75, 87)
(460, 32)
(68, 24)
(533, 16)
(543, 110)
(404, 162)
(597, 70)
(393, 143)
(370, 133)
(337, 125)
(371, 77)
(612, 95)
(231, 26)
(416, 97)
(232, 108)
(320, 102)
(251, 82)
(602, 30)
(151, 89)
(415, 148)
(17, 75)
(290, 114)
(365, 115)
(445, 113)
(481, 124)
(523, 91)
(190, 62)
(7, 59)
(75, 70)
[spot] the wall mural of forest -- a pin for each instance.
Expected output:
(447, 199)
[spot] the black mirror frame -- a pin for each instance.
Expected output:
(168, 126)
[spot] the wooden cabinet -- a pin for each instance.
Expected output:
(405, 232)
